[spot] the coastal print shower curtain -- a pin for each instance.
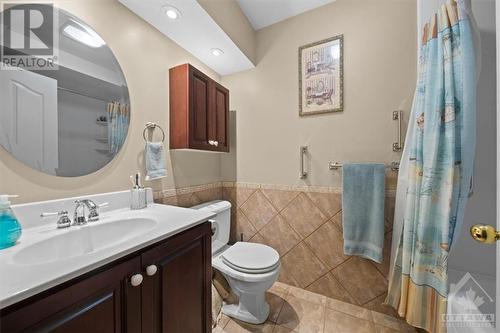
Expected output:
(441, 145)
(118, 120)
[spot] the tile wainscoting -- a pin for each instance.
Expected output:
(304, 224)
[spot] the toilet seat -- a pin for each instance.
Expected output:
(251, 258)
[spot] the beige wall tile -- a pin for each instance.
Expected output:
(257, 238)
(337, 219)
(187, 200)
(279, 235)
(303, 215)
(258, 210)
(328, 245)
(361, 278)
(384, 266)
(209, 194)
(286, 277)
(303, 265)
(329, 286)
(243, 226)
(329, 203)
(242, 194)
(279, 199)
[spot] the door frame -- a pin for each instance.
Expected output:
(497, 20)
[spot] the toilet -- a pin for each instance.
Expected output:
(250, 268)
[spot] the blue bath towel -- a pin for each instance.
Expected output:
(155, 161)
(363, 197)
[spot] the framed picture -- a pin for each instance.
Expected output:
(321, 76)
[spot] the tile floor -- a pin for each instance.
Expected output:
(297, 310)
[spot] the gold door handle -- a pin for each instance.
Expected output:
(485, 234)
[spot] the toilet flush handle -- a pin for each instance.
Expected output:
(214, 226)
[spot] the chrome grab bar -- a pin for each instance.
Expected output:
(398, 115)
(303, 173)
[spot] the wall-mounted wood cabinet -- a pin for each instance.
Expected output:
(199, 111)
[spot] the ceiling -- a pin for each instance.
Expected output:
(262, 13)
(195, 31)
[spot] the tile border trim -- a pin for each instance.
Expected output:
(297, 188)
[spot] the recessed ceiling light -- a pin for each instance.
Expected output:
(83, 34)
(216, 52)
(171, 12)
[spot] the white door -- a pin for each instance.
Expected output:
(28, 118)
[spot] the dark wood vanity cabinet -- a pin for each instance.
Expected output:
(175, 299)
(199, 111)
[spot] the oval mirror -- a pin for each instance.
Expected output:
(64, 100)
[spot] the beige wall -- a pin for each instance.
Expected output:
(229, 16)
(145, 56)
(379, 66)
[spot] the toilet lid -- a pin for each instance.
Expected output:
(251, 257)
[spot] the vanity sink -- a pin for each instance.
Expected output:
(80, 241)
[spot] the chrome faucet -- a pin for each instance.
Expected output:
(79, 215)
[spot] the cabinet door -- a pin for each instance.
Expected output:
(103, 302)
(177, 298)
(220, 117)
(199, 90)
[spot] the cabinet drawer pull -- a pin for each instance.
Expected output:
(136, 280)
(151, 270)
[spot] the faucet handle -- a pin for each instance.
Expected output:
(63, 221)
(93, 210)
(63, 212)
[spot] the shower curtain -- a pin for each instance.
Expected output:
(118, 120)
(436, 172)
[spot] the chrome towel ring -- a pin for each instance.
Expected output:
(153, 126)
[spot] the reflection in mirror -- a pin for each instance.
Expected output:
(70, 121)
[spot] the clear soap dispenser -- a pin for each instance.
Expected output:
(10, 229)
(138, 199)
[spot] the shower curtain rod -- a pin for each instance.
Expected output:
(81, 94)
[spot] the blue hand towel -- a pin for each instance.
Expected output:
(363, 194)
(155, 161)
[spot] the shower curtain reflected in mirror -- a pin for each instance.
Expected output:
(436, 169)
(118, 120)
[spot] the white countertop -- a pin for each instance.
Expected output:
(20, 281)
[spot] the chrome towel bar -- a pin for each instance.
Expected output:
(394, 166)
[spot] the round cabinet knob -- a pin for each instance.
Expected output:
(151, 270)
(136, 280)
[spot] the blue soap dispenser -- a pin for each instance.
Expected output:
(10, 229)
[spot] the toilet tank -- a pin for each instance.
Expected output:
(221, 223)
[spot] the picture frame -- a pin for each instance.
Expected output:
(321, 76)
